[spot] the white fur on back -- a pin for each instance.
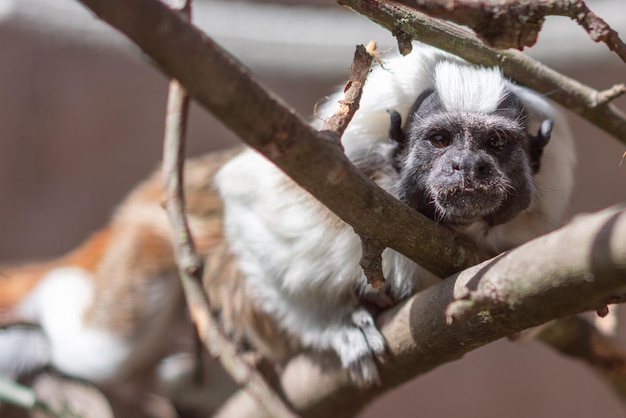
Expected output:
(277, 238)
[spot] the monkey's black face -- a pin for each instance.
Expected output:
(461, 167)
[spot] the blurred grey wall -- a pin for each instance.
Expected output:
(81, 122)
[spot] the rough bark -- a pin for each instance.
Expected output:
(516, 24)
(221, 84)
(494, 299)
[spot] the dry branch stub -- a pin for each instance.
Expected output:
(361, 64)
(372, 261)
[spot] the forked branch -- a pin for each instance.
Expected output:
(516, 24)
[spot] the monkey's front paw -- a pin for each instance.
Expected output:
(357, 343)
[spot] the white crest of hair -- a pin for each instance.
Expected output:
(58, 304)
(303, 261)
(466, 88)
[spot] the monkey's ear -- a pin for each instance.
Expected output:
(538, 143)
(543, 136)
(396, 133)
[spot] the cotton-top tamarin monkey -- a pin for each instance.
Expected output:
(457, 142)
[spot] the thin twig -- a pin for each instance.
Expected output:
(191, 264)
(361, 65)
(404, 22)
(596, 27)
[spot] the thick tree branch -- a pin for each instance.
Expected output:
(221, 84)
(518, 289)
(405, 23)
(516, 24)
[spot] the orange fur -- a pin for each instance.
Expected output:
(131, 263)
(16, 282)
(89, 254)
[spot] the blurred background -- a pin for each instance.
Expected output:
(81, 122)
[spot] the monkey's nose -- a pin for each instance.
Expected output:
(469, 167)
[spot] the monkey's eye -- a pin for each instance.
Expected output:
(440, 140)
(496, 140)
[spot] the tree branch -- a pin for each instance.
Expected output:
(190, 264)
(222, 85)
(405, 23)
(514, 24)
(518, 289)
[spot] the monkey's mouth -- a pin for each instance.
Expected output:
(466, 202)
